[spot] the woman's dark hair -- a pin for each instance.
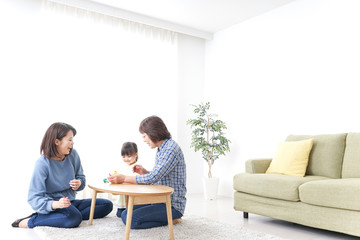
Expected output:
(155, 128)
(57, 130)
(129, 149)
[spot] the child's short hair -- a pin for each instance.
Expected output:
(129, 148)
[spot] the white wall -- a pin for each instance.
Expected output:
(191, 63)
(37, 72)
(293, 70)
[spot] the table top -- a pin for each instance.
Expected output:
(132, 189)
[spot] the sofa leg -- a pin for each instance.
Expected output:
(246, 214)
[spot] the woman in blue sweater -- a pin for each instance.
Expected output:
(57, 176)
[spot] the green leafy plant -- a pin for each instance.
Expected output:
(208, 135)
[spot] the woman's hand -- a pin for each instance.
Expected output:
(140, 170)
(62, 203)
(75, 184)
(116, 178)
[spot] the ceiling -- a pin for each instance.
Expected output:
(195, 17)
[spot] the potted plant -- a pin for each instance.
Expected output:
(209, 138)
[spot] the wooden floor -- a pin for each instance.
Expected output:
(220, 209)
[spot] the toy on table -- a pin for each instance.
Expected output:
(105, 180)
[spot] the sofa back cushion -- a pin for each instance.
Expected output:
(327, 154)
(351, 163)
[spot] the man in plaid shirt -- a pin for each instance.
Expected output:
(169, 170)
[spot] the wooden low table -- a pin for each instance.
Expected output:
(135, 194)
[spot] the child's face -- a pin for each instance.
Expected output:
(130, 159)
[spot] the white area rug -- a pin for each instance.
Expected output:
(192, 227)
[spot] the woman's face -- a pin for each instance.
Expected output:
(65, 145)
(148, 141)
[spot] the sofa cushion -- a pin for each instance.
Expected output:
(326, 155)
(291, 158)
(351, 162)
(333, 193)
(272, 185)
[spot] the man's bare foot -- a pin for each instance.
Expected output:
(177, 220)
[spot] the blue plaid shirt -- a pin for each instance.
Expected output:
(169, 170)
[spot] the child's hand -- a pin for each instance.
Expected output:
(117, 178)
(75, 184)
(140, 170)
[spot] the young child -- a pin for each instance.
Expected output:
(129, 153)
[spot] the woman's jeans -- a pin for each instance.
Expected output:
(149, 215)
(72, 216)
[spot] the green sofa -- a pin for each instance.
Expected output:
(327, 197)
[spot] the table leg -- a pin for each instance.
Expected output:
(129, 217)
(92, 208)
(169, 216)
(126, 201)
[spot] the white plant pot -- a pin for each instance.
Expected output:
(210, 187)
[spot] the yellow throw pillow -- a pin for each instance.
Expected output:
(291, 158)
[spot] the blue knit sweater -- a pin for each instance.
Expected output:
(50, 181)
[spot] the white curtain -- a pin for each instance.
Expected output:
(100, 74)
(97, 16)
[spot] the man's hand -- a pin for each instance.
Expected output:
(140, 170)
(116, 178)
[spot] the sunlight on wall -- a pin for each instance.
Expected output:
(100, 79)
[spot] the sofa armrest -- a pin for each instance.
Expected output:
(257, 165)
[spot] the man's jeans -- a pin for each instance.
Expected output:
(149, 215)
